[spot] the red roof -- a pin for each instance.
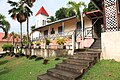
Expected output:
(42, 11)
(9, 39)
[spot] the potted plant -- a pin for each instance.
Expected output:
(47, 42)
(37, 44)
(61, 42)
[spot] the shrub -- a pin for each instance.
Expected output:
(39, 58)
(21, 54)
(32, 57)
(61, 41)
(57, 59)
(27, 56)
(17, 55)
(37, 43)
(7, 47)
(45, 61)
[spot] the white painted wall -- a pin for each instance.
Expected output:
(35, 35)
(39, 20)
(87, 22)
(87, 25)
(111, 45)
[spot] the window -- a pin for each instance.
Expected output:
(45, 32)
(60, 29)
(53, 31)
(43, 23)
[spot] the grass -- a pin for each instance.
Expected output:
(23, 69)
(103, 70)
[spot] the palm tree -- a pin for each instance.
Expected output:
(5, 25)
(75, 6)
(13, 35)
(18, 11)
(28, 13)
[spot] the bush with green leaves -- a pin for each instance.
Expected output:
(7, 47)
(37, 43)
(61, 41)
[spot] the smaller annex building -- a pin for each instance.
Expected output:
(7, 40)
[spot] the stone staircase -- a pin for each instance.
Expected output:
(96, 44)
(73, 67)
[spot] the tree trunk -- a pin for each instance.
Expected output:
(27, 31)
(21, 36)
(28, 39)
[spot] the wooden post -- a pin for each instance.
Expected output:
(73, 43)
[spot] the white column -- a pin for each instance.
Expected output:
(73, 43)
(63, 27)
(81, 11)
(49, 31)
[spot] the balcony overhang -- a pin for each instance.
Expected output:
(98, 4)
(94, 14)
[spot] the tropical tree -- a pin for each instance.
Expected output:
(28, 12)
(75, 6)
(18, 11)
(91, 7)
(32, 28)
(61, 13)
(21, 11)
(51, 19)
(64, 13)
(12, 35)
(5, 25)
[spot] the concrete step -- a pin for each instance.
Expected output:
(94, 50)
(83, 57)
(46, 77)
(71, 68)
(88, 54)
(62, 74)
(78, 62)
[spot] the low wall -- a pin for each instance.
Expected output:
(110, 45)
(48, 52)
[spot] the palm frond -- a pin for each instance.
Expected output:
(12, 3)
(5, 36)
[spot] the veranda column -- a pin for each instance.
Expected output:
(63, 28)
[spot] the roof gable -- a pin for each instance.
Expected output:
(42, 11)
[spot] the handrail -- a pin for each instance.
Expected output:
(88, 31)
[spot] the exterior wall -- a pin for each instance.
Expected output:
(55, 26)
(87, 22)
(39, 20)
(70, 25)
(49, 52)
(87, 27)
(111, 45)
(35, 34)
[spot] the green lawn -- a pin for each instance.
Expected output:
(23, 69)
(104, 70)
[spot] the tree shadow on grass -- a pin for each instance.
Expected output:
(3, 62)
(4, 70)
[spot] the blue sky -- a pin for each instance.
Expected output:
(50, 5)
